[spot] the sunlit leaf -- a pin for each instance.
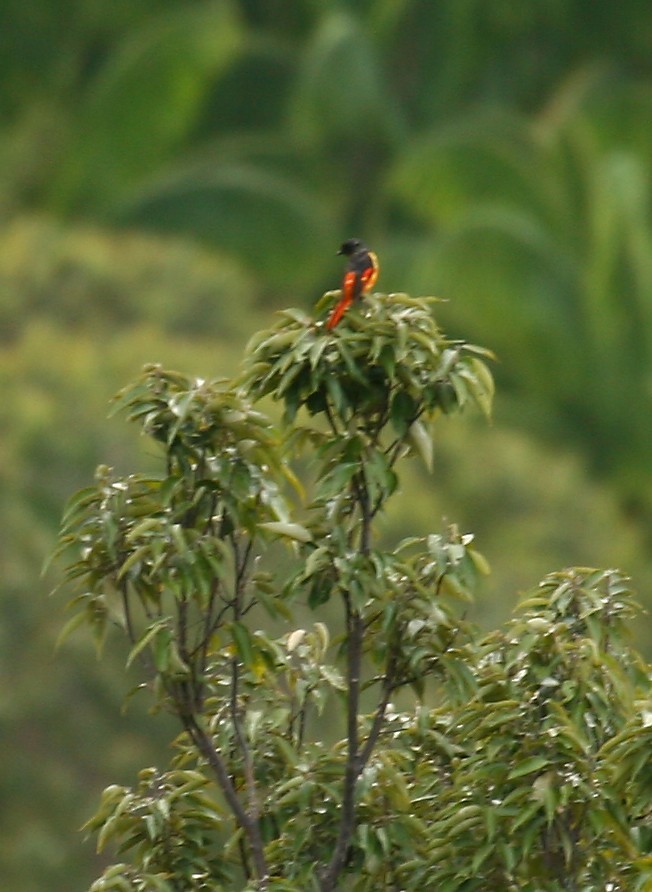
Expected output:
(422, 442)
(290, 530)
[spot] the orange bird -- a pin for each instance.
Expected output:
(359, 277)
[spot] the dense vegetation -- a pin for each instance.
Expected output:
(518, 761)
(171, 174)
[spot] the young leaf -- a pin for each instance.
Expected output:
(422, 443)
(290, 530)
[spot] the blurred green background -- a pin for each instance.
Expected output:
(172, 172)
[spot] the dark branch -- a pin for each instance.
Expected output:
(352, 768)
(355, 637)
(389, 685)
(253, 806)
(250, 825)
(331, 420)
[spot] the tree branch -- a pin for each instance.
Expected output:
(331, 420)
(389, 685)
(394, 449)
(248, 823)
(352, 768)
(355, 637)
(187, 700)
(253, 805)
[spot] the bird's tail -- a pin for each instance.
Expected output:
(338, 311)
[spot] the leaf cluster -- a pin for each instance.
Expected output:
(532, 790)
(391, 363)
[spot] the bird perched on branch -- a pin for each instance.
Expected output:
(359, 277)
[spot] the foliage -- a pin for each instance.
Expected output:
(530, 728)
(531, 505)
(270, 131)
(98, 303)
(534, 797)
(554, 211)
(80, 308)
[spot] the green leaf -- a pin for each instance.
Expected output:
(79, 502)
(287, 751)
(320, 591)
(526, 815)
(243, 643)
(161, 650)
(133, 559)
(73, 623)
(402, 412)
(146, 638)
(421, 440)
(147, 525)
(483, 386)
(109, 829)
(290, 530)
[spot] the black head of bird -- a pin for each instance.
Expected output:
(350, 246)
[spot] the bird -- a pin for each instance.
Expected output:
(360, 276)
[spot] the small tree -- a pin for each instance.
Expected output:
(295, 769)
